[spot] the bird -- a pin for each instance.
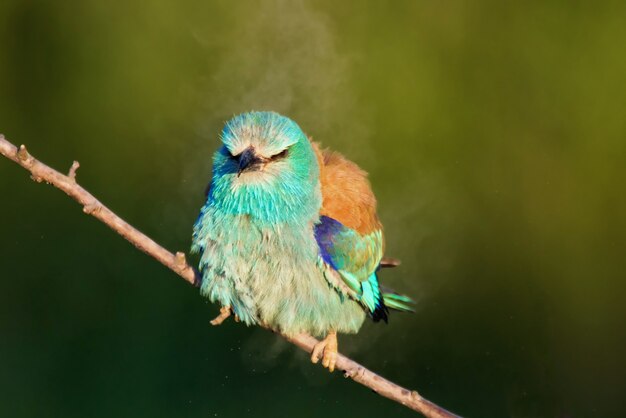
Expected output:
(289, 237)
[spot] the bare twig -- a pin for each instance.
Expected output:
(177, 263)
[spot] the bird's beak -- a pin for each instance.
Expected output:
(248, 160)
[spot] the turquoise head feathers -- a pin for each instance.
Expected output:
(266, 168)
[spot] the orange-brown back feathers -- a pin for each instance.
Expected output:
(346, 192)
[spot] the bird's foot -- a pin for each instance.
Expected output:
(328, 348)
(225, 312)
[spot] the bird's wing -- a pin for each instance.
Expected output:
(350, 261)
(349, 234)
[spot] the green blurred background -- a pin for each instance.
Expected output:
(495, 137)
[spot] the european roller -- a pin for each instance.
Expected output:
(289, 237)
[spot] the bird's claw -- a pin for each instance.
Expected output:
(225, 312)
(328, 349)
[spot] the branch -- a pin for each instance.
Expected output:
(177, 263)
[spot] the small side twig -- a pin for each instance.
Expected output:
(177, 263)
(22, 154)
(72, 173)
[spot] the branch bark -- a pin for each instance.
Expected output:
(177, 263)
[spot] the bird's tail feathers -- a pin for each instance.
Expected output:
(398, 302)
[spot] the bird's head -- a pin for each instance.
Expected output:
(265, 158)
(260, 144)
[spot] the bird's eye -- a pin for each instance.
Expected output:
(279, 156)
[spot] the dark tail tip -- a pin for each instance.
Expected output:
(381, 312)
